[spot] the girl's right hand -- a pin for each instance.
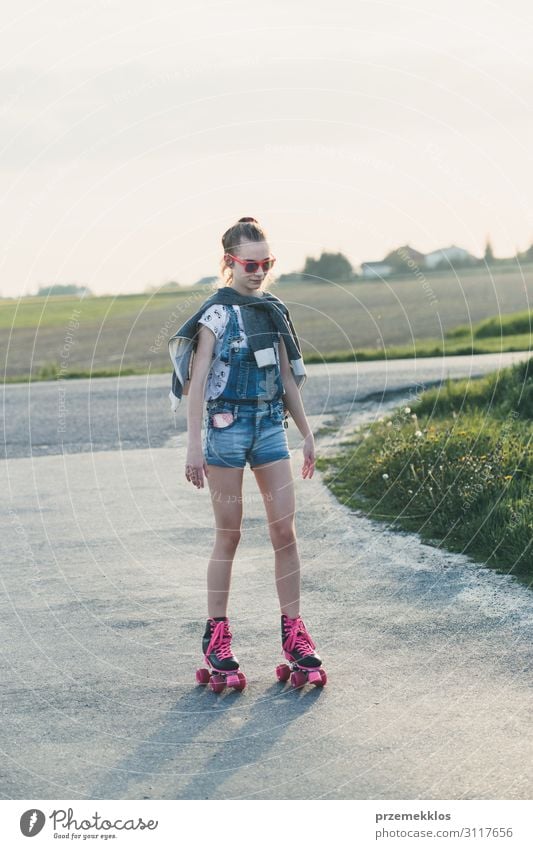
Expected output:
(195, 467)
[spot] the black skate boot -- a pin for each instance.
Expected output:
(223, 666)
(216, 645)
(297, 643)
(299, 649)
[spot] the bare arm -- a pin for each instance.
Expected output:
(203, 356)
(293, 402)
(292, 396)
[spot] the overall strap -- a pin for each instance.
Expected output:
(231, 332)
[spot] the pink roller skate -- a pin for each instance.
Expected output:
(216, 646)
(298, 647)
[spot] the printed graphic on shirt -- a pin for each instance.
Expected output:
(215, 317)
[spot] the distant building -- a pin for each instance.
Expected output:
(404, 256)
(449, 256)
(405, 259)
(398, 261)
(376, 269)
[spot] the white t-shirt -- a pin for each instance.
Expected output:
(216, 318)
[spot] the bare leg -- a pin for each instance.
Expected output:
(226, 497)
(276, 484)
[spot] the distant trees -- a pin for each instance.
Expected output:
(171, 286)
(64, 289)
(329, 267)
(525, 256)
(488, 256)
(206, 281)
(174, 286)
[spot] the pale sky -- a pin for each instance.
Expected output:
(134, 134)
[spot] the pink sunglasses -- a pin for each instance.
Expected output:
(251, 266)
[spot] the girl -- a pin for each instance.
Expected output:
(248, 368)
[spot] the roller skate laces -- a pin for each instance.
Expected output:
(223, 665)
(299, 648)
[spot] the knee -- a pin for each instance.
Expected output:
(283, 533)
(228, 538)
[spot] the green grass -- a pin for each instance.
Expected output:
(428, 348)
(496, 326)
(456, 467)
(358, 321)
(58, 310)
(52, 371)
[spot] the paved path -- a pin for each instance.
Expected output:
(102, 608)
(106, 414)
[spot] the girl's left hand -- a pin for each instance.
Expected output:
(309, 456)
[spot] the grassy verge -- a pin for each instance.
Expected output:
(463, 344)
(51, 371)
(456, 467)
(498, 325)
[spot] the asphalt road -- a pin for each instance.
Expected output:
(429, 657)
(109, 414)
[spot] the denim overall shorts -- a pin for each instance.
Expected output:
(253, 395)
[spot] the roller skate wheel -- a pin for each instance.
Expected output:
(203, 676)
(283, 672)
(233, 680)
(242, 681)
(298, 678)
(218, 682)
(317, 677)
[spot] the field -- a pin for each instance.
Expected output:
(111, 334)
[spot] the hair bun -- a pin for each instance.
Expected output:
(247, 219)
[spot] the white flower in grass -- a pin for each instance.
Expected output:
(407, 410)
(385, 476)
(419, 433)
